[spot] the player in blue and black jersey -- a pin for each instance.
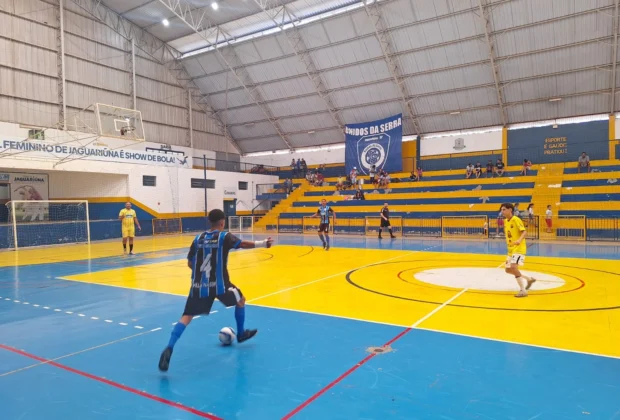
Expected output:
(208, 260)
(324, 211)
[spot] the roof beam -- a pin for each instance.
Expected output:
(295, 40)
(383, 36)
(494, 68)
(160, 52)
(614, 60)
(228, 56)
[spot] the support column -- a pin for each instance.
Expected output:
(190, 120)
(132, 80)
(62, 84)
(612, 137)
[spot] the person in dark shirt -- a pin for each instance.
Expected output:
(385, 220)
(490, 169)
(324, 212)
(499, 167)
(478, 169)
(208, 260)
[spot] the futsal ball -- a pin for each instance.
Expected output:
(227, 336)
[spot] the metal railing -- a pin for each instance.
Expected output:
(561, 228)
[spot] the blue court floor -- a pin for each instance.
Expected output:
(76, 350)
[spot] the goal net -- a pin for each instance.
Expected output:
(241, 223)
(168, 226)
(464, 226)
(570, 227)
(373, 223)
(311, 224)
(47, 222)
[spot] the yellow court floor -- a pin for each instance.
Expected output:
(574, 305)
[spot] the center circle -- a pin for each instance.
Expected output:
(484, 278)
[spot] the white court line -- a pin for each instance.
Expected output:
(437, 309)
(79, 352)
(337, 274)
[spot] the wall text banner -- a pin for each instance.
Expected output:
(28, 187)
(376, 143)
(562, 144)
(461, 143)
(33, 149)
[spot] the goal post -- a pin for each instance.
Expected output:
(310, 224)
(241, 224)
(373, 223)
(167, 226)
(47, 222)
(570, 227)
(464, 226)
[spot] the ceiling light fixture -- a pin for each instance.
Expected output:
(165, 22)
(215, 6)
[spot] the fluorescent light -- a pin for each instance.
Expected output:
(165, 22)
(455, 113)
(555, 99)
(215, 6)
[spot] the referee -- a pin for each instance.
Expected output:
(385, 221)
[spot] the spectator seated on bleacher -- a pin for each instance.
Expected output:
(359, 194)
(584, 163)
(478, 169)
(373, 174)
(490, 168)
(419, 174)
(499, 167)
(469, 170)
(413, 176)
(318, 180)
(527, 165)
(340, 183)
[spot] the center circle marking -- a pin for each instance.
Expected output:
(484, 278)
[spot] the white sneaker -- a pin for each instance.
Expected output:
(522, 293)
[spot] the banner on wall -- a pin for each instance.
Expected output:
(34, 149)
(564, 143)
(376, 143)
(461, 143)
(28, 187)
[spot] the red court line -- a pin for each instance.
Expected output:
(114, 384)
(341, 377)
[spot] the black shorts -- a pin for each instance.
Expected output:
(324, 227)
(385, 223)
(196, 305)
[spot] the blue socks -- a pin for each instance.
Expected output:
(178, 329)
(327, 238)
(240, 318)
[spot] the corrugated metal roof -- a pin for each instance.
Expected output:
(297, 106)
(241, 132)
(542, 48)
(318, 137)
(306, 122)
(567, 107)
(259, 145)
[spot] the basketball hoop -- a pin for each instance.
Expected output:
(127, 129)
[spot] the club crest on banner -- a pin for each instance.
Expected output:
(373, 151)
(377, 143)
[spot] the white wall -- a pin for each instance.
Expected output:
(78, 185)
(479, 142)
(173, 193)
(334, 154)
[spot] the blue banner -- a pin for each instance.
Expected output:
(376, 143)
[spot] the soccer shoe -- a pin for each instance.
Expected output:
(164, 359)
(521, 294)
(247, 334)
(529, 283)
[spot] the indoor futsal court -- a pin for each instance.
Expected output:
(402, 328)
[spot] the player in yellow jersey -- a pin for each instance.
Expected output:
(517, 248)
(129, 221)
